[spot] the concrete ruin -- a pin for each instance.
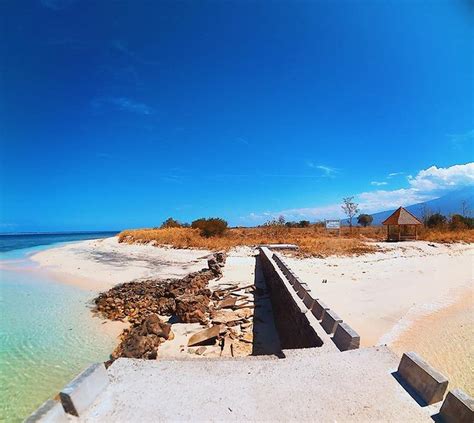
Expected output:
(316, 368)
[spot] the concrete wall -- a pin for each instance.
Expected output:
(294, 328)
(297, 310)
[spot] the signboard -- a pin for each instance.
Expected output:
(333, 224)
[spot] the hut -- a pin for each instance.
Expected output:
(401, 225)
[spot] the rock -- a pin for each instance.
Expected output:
(227, 302)
(201, 350)
(192, 308)
(225, 316)
(227, 350)
(153, 325)
(208, 335)
(247, 337)
(244, 313)
(140, 302)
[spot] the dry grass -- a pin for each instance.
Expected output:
(447, 236)
(313, 241)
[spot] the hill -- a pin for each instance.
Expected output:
(450, 203)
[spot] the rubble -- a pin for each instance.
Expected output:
(227, 312)
(206, 335)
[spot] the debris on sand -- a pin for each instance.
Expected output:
(227, 313)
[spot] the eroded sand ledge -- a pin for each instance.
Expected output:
(102, 263)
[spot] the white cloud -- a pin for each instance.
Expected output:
(327, 171)
(378, 184)
(393, 174)
(426, 185)
(434, 178)
(375, 201)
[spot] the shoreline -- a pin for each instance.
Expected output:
(385, 296)
(100, 264)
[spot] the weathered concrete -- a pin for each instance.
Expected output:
(280, 246)
(308, 300)
(291, 316)
(318, 309)
(427, 382)
(458, 407)
(305, 386)
(330, 321)
(346, 338)
(50, 412)
(81, 392)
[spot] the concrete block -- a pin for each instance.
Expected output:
(50, 412)
(346, 338)
(427, 382)
(308, 300)
(458, 407)
(330, 321)
(318, 309)
(297, 284)
(82, 391)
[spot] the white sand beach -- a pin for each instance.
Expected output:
(385, 296)
(411, 296)
(100, 264)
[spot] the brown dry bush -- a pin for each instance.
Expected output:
(312, 241)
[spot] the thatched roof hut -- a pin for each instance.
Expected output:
(406, 223)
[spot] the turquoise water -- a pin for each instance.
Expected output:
(47, 332)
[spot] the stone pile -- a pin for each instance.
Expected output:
(231, 324)
(141, 303)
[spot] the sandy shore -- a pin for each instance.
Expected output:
(412, 296)
(100, 264)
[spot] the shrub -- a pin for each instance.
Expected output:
(171, 223)
(436, 220)
(214, 226)
(459, 222)
(365, 220)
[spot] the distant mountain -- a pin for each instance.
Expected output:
(448, 204)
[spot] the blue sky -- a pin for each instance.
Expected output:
(121, 114)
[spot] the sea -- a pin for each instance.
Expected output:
(47, 331)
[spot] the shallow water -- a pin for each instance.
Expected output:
(47, 335)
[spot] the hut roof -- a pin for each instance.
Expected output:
(401, 216)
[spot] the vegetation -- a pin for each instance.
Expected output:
(214, 226)
(365, 220)
(313, 240)
(436, 220)
(171, 223)
(350, 208)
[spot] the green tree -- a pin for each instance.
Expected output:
(436, 220)
(171, 223)
(365, 220)
(213, 226)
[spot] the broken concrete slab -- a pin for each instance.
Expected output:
(427, 382)
(226, 316)
(227, 302)
(205, 336)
